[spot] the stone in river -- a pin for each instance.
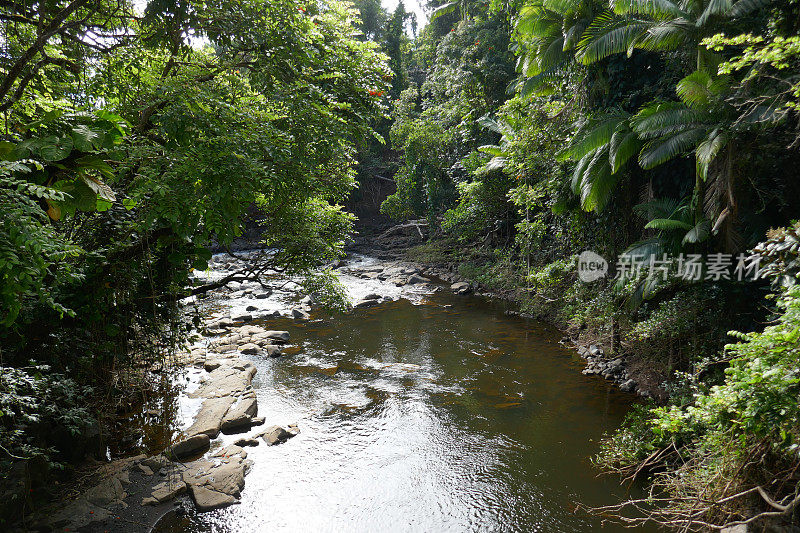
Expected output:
(300, 314)
(189, 446)
(249, 348)
(461, 287)
(277, 335)
(276, 435)
(241, 317)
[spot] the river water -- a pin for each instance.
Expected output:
(444, 414)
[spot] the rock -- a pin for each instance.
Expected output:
(307, 300)
(262, 295)
(276, 435)
(272, 350)
(300, 314)
(257, 421)
(107, 492)
(398, 281)
(628, 386)
(241, 317)
(277, 335)
(247, 441)
(416, 278)
(595, 350)
(156, 463)
(225, 381)
(239, 415)
(251, 308)
(149, 501)
(461, 288)
(206, 499)
(188, 447)
(168, 490)
(363, 304)
(249, 348)
(146, 470)
(209, 419)
(211, 364)
(372, 296)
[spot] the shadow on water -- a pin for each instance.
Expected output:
(445, 416)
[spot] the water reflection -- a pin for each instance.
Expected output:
(446, 416)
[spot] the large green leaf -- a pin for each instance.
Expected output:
(444, 10)
(700, 233)
(54, 148)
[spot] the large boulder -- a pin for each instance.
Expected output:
(209, 419)
(277, 335)
(461, 288)
(275, 435)
(240, 415)
(190, 446)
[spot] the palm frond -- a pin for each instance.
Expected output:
(578, 173)
(562, 6)
(598, 182)
(665, 118)
(665, 36)
(663, 149)
(658, 208)
(699, 233)
(707, 150)
(668, 224)
(695, 89)
(743, 7)
(594, 135)
(624, 145)
(443, 10)
(714, 8)
(607, 35)
(655, 9)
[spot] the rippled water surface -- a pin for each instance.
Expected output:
(443, 416)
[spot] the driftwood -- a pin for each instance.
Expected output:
(403, 229)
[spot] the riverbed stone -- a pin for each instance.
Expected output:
(277, 335)
(240, 415)
(225, 381)
(106, 492)
(207, 499)
(363, 304)
(168, 490)
(299, 314)
(461, 287)
(209, 419)
(241, 317)
(276, 435)
(189, 446)
(249, 348)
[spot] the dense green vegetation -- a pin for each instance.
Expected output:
(136, 137)
(539, 129)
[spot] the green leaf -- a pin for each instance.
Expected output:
(443, 10)
(55, 148)
(667, 224)
(699, 233)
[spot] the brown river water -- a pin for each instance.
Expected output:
(435, 416)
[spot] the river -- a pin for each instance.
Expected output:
(434, 413)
